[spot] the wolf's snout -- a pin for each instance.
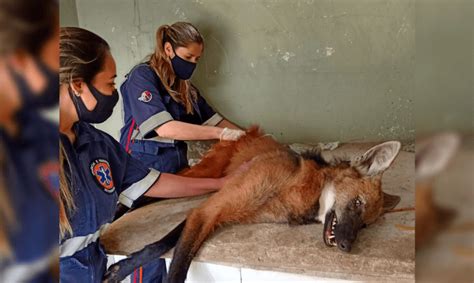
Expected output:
(345, 246)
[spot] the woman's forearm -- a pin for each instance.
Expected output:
(185, 131)
(174, 186)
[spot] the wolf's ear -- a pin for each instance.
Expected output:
(433, 154)
(390, 201)
(377, 159)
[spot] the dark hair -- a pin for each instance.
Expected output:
(26, 24)
(81, 54)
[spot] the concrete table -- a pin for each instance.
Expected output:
(383, 252)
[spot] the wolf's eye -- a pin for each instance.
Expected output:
(358, 202)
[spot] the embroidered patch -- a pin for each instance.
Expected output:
(48, 173)
(146, 96)
(100, 169)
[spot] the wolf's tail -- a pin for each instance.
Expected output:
(118, 271)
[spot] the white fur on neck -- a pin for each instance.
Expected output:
(326, 201)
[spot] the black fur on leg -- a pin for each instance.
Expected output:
(179, 266)
(120, 211)
(118, 271)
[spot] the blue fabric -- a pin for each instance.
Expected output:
(32, 182)
(95, 205)
(142, 79)
(87, 265)
(163, 159)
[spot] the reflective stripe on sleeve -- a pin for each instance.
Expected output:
(154, 122)
(214, 120)
(75, 244)
(137, 189)
(25, 272)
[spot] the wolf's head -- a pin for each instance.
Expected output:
(353, 198)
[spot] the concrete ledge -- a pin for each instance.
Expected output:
(383, 252)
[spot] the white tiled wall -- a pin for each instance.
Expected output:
(260, 276)
(200, 272)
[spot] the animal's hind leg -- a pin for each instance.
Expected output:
(235, 203)
(118, 271)
(199, 226)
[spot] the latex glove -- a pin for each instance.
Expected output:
(230, 134)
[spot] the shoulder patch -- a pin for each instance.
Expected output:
(102, 173)
(146, 96)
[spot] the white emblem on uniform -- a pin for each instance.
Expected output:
(146, 96)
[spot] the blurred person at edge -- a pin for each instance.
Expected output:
(29, 178)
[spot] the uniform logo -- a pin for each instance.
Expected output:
(100, 169)
(146, 96)
(48, 173)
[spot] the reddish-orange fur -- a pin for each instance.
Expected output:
(279, 186)
(270, 183)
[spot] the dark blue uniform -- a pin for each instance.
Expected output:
(147, 105)
(102, 174)
(32, 182)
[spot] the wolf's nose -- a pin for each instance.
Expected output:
(345, 246)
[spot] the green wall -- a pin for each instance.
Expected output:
(444, 69)
(305, 70)
(68, 13)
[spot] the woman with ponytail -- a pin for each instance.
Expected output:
(163, 109)
(96, 172)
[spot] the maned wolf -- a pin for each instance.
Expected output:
(279, 186)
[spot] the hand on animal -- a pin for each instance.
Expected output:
(230, 134)
(272, 184)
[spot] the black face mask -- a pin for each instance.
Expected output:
(48, 98)
(182, 68)
(103, 109)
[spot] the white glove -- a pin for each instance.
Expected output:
(230, 134)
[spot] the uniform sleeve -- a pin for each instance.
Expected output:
(138, 179)
(146, 103)
(209, 116)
